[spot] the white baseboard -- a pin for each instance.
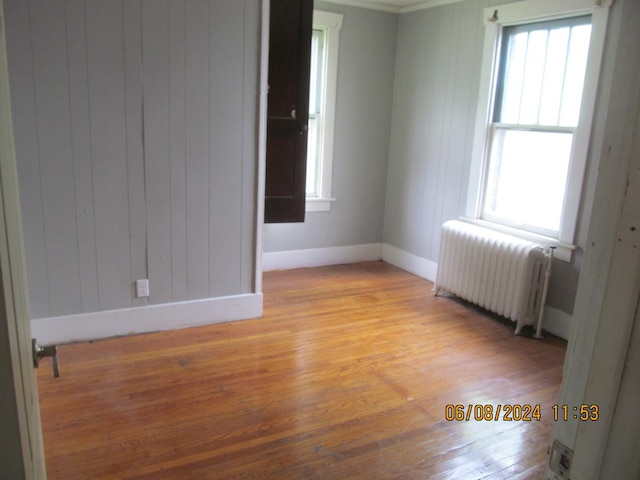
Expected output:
(171, 316)
(557, 322)
(408, 261)
(319, 257)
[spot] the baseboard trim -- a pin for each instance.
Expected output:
(171, 316)
(557, 322)
(408, 261)
(320, 257)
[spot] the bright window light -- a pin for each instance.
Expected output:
(537, 100)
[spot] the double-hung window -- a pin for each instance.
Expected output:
(540, 73)
(322, 103)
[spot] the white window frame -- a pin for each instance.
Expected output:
(526, 12)
(331, 23)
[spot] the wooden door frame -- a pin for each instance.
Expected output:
(262, 142)
(609, 285)
(599, 354)
(28, 445)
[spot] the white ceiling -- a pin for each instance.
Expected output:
(397, 6)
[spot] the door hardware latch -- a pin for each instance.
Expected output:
(39, 352)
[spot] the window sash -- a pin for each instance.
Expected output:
(530, 196)
(322, 105)
(528, 160)
(495, 19)
(541, 69)
(313, 157)
(316, 109)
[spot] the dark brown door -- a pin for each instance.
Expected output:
(291, 23)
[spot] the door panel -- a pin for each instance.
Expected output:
(290, 29)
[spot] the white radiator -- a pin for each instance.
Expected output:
(498, 272)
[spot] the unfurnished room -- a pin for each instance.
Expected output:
(297, 239)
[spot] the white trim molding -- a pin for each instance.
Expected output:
(519, 12)
(262, 142)
(408, 261)
(320, 257)
(367, 4)
(427, 4)
(127, 321)
(394, 7)
(331, 24)
(557, 322)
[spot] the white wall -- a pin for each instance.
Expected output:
(362, 130)
(431, 117)
(136, 139)
(434, 111)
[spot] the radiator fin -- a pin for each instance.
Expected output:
(498, 272)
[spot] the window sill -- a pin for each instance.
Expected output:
(318, 204)
(563, 251)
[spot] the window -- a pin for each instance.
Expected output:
(539, 76)
(322, 100)
(536, 108)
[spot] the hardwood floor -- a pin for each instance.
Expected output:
(346, 376)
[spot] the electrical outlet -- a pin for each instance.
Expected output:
(142, 288)
(560, 459)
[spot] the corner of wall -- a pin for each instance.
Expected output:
(318, 257)
(411, 263)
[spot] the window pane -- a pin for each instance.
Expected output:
(574, 81)
(312, 189)
(527, 177)
(317, 71)
(539, 86)
(513, 78)
(554, 74)
(316, 102)
(541, 72)
(532, 82)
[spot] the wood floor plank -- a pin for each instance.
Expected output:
(346, 376)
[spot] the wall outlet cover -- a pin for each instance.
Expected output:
(560, 459)
(142, 288)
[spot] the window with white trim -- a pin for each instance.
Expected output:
(322, 104)
(540, 72)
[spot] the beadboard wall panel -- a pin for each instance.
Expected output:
(135, 125)
(226, 148)
(81, 150)
(177, 138)
(106, 82)
(135, 145)
(437, 78)
(51, 67)
(20, 58)
(157, 158)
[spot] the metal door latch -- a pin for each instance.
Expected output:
(39, 352)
